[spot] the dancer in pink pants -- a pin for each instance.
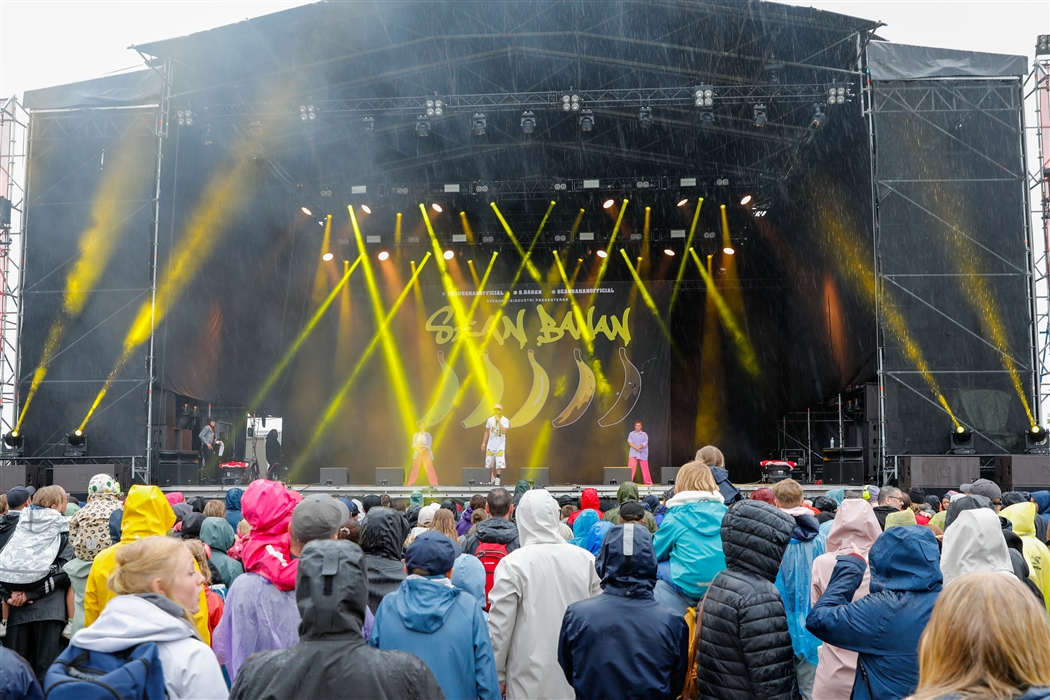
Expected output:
(639, 443)
(423, 451)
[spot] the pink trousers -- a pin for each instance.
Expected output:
(633, 462)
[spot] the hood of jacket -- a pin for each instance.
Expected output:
(1042, 501)
(1020, 515)
(538, 518)
(807, 527)
(496, 531)
(958, 505)
(901, 518)
(589, 499)
(147, 513)
(36, 542)
(582, 526)
(974, 543)
(130, 620)
(174, 497)
(596, 536)
(520, 489)
(415, 500)
(181, 510)
(905, 559)
(754, 538)
(680, 499)
(268, 506)
(233, 498)
(9, 521)
(384, 533)
(191, 526)
(626, 563)
(468, 573)
(628, 491)
(217, 534)
(331, 590)
(423, 604)
(854, 523)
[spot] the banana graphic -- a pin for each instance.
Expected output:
(493, 395)
(581, 401)
(541, 386)
(447, 393)
(629, 394)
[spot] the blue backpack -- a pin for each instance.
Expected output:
(132, 674)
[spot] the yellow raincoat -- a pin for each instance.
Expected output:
(1022, 515)
(146, 514)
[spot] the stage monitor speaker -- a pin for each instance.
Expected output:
(12, 475)
(479, 475)
(175, 474)
(616, 474)
(1022, 472)
(334, 477)
(74, 478)
(393, 476)
(668, 474)
(538, 477)
(939, 471)
(844, 465)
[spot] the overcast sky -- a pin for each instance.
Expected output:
(52, 42)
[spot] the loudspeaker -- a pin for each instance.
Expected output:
(74, 478)
(617, 474)
(1022, 472)
(668, 474)
(538, 477)
(334, 477)
(175, 474)
(947, 471)
(13, 474)
(478, 475)
(393, 476)
(844, 465)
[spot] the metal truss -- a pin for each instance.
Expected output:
(1039, 196)
(54, 125)
(13, 147)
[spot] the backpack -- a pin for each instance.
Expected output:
(80, 674)
(490, 554)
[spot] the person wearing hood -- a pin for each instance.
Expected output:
(233, 506)
(688, 544)
(444, 626)
(581, 529)
(18, 499)
(17, 680)
(217, 534)
(716, 462)
(596, 535)
(146, 514)
(741, 648)
(588, 501)
(1022, 517)
(974, 542)
(174, 497)
(1014, 497)
(884, 626)
(533, 586)
(854, 525)
(628, 491)
(191, 526)
(156, 589)
(268, 506)
(497, 529)
(600, 636)
(89, 534)
(382, 538)
(331, 658)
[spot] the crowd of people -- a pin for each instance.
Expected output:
(704, 592)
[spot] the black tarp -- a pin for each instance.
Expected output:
(888, 61)
(125, 90)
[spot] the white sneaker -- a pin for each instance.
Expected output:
(496, 481)
(67, 631)
(3, 629)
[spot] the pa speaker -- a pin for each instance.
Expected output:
(616, 475)
(479, 475)
(1022, 472)
(538, 477)
(939, 471)
(74, 478)
(668, 474)
(393, 476)
(334, 477)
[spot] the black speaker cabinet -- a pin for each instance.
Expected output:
(393, 476)
(74, 478)
(538, 477)
(175, 474)
(479, 475)
(1022, 472)
(13, 474)
(334, 477)
(668, 474)
(844, 465)
(617, 474)
(939, 471)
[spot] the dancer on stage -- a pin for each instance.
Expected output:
(423, 451)
(639, 442)
(494, 444)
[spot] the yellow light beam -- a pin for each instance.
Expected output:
(646, 297)
(608, 252)
(745, 353)
(681, 265)
(581, 322)
(710, 402)
(321, 274)
(533, 272)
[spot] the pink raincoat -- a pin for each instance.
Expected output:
(855, 523)
(268, 506)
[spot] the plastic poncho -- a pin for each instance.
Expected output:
(796, 575)
(1022, 516)
(268, 506)
(628, 491)
(974, 542)
(581, 528)
(596, 535)
(588, 501)
(901, 518)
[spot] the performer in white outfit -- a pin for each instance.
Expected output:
(494, 444)
(423, 451)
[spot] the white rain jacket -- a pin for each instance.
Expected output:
(32, 549)
(974, 542)
(532, 587)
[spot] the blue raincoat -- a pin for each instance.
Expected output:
(233, 507)
(883, 627)
(793, 581)
(581, 528)
(596, 535)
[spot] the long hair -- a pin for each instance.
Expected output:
(695, 476)
(987, 639)
(199, 553)
(142, 562)
(445, 523)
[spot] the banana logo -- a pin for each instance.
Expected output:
(581, 401)
(629, 394)
(493, 394)
(447, 393)
(541, 386)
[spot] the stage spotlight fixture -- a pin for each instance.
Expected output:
(682, 202)
(1042, 45)
(422, 126)
(479, 124)
(962, 441)
(435, 107)
(759, 115)
(586, 120)
(728, 250)
(76, 444)
(570, 103)
(819, 118)
(254, 130)
(328, 257)
(184, 117)
(366, 209)
(1035, 441)
(207, 138)
(745, 200)
(370, 125)
(383, 255)
(645, 117)
(602, 254)
(607, 204)
(13, 439)
(837, 93)
(307, 113)
(528, 122)
(306, 211)
(437, 207)
(76, 438)
(668, 252)
(704, 99)
(448, 254)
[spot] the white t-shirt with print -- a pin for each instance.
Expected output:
(497, 433)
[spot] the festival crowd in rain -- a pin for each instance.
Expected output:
(701, 592)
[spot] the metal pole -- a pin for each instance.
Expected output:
(809, 441)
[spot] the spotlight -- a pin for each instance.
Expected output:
(528, 122)
(366, 209)
(586, 120)
(759, 114)
(13, 439)
(328, 257)
(607, 204)
(207, 138)
(1042, 45)
(602, 254)
(1035, 441)
(728, 250)
(837, 93)
(668, 252)
(962, 441)
(422, 126)
(370, 125)
(704, 99)
(254, 130)
(745, 200)
(306, 211)
(479, 124)
(645, 117)
(819, 118)
(682, 202)
(448, 254)
(307, 113)
(436, 207)
(435, 107)
(383, 255)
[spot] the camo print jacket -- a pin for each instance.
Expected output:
(89, 526)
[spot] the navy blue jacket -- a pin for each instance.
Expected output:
(883, 627)
(16, 678)
(622, 643)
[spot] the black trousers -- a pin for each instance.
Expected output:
(39, 643)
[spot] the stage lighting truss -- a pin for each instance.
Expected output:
(962, 441)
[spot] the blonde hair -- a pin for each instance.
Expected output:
(445, 523)
(244, 528)
(3, 503)
(200, 554)
(51, 496)
(711, 455)
(142, 562)
(695, 476)
(788, 493)
(214, 509)
(987, 638)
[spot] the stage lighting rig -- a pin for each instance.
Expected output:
(184, 117)
(962, 441)
(758, 113)
(819, 118)
(704, 99)
(14, 442)
(479, 124)
(307, 113)
(422, 126)
(76, 444)
(838, 93)
(369, 124)
(435, 107)
(570, 103)
(207, 136)
(645, 117)
(586, 120)
(1042, 45)
(528, 121)
(1035, 441)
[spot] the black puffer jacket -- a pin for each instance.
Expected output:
(745, 648)
(382, 539)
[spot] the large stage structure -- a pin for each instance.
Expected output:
(784, 238)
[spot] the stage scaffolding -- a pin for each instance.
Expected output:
(13, 141)
(1039, 196)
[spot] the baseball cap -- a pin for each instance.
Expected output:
(432, 552)
(632, 511)
(965, 488)
(318, 517)
(986, 488)
(17, 497)
(498, 407)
